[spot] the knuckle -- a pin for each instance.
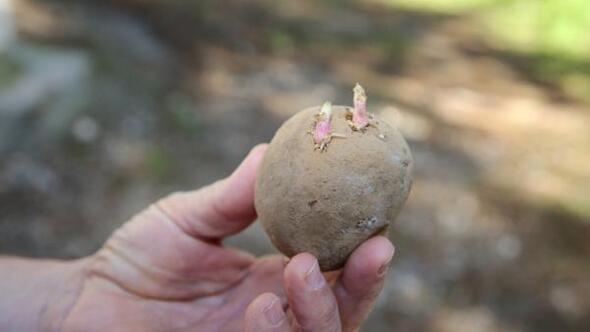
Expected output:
(325, 319)
(172, 197)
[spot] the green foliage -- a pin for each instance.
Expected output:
(182, 113)
(557, 27)
(158, 163)
(441, 6)
(570, 73)
(545, 26)
(9, 71)
(281, 42)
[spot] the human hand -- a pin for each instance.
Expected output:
(167, 270)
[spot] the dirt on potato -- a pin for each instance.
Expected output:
(328, 201)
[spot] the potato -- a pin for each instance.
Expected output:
(332, 178)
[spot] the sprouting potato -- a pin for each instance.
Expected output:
(332, 177)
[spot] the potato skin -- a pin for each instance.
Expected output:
(328, 202)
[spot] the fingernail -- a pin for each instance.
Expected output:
(385, 266)
(274, 313)
(314, 277)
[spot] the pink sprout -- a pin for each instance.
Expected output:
(360, 119)
(323, 127)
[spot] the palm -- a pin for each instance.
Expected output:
(166, 270)
(104, 305)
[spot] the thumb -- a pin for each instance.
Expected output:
(220, 209)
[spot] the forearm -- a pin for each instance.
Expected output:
(35, 295)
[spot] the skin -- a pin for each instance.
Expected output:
(167, 270)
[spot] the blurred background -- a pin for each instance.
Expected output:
(107, 105)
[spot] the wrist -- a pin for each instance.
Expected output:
(38, 294)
